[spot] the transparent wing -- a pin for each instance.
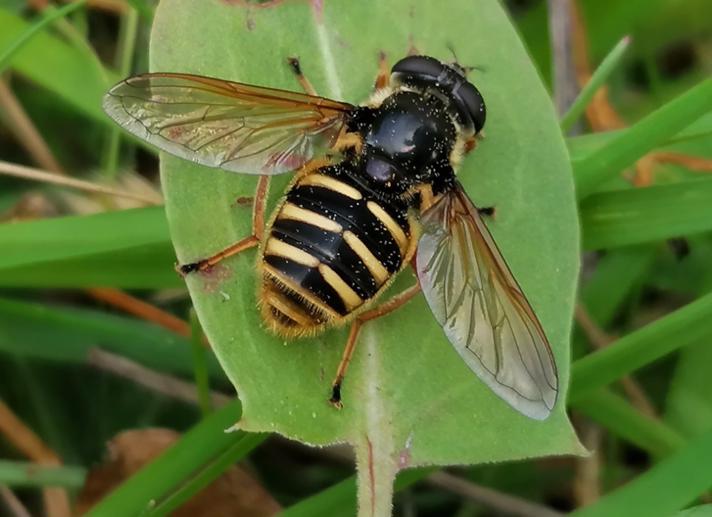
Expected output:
(233, 126)
(481, 307)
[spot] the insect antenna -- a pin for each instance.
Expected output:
(464, 69)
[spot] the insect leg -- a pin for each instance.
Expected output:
(303, 81)
(386, 308)
(383, 79)
(471, 142)
(487, 211)
(258, 225)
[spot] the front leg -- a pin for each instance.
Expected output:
(296, 67)
(383, 79)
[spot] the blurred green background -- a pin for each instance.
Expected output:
(79, 364)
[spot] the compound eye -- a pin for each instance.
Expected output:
(474, 103)
(418, 66)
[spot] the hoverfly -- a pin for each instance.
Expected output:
(374, 191)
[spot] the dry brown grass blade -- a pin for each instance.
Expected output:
(56, 501)
(30, 173)
(602, 116)
(159, 382)
(561, 31)
(12, 503)
(25, 131)
(503, 503)
(645, 167)
(600, 113)
(587, 477)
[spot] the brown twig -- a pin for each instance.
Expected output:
(503, 503)
(587, 477)
(29, 444)
(155, 381)
(140, 309)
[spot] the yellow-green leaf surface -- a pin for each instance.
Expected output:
(409, 400)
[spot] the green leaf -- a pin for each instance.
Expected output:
(407, 396)
(665, 488)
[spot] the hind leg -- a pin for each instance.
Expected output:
(382, 310)
(258, 225)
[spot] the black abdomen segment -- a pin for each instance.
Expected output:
(332, 247)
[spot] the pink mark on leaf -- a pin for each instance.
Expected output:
(214, 277)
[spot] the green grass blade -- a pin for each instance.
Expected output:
(58, 66)
(52, 15)
(128, 248)
(25, 474)
(195, 460)
(41, 331)
(619, 417)
(143, 8)
(647, 134)
(48, 240)
(127, 47)
(618, 273)
(599, 77)
(634, 216)
(686, 326)
(665, 488)
(208, 473)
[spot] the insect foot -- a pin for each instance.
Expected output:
(184, 269)
(335, 399)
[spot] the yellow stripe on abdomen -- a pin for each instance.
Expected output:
(391, 224)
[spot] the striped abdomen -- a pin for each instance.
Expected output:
(331, 248)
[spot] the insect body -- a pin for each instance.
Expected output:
(375, 190)
(332, 248)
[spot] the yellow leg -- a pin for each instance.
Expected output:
(258, 225)
(386, 308)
